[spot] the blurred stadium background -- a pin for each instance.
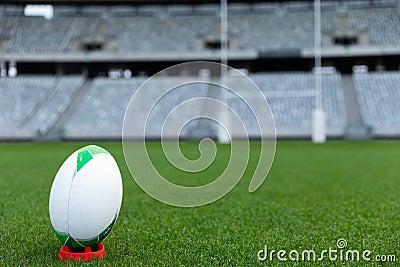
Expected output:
(69, 68)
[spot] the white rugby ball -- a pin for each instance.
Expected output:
(85, 197)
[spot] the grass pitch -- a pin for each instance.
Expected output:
(314, 195)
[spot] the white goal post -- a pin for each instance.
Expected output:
(318, 126)
(318, 134)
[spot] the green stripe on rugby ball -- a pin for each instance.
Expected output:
(87, 153)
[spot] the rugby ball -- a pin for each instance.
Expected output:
(85, 197)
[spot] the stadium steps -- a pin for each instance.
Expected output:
(206, 128)
(57, 131)
(100, 29)
(67, 38)
(49, 94)
(356, 129)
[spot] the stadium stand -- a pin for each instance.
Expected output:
(169, 101)
(30, 104)
(181, 28)
(295, 31)
(147, 34)
(101, 112)
(291, 97)
(379, 97)
(380, 24)
(18, 99)
(57, 101)
(34, 35)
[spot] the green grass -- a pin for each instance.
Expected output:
(314, 195)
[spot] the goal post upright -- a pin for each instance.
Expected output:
(223, 137)
(318, 131)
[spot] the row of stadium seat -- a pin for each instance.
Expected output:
(186, 33)
(203, 9)
(101, 111)
(379, 95)
(292, 85)
(31, 105)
